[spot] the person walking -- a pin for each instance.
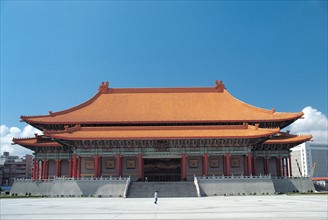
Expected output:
(156, 196)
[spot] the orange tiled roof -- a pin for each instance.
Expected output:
(286, 138)
(38, 141)
(160, 105)
(161, 132)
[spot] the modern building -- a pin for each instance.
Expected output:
(13, 167)
(162, 134)
(310, 159)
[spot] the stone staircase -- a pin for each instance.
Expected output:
(165, 189)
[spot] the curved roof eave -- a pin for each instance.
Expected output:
(286, 138)
(158, 133)
(57, 117)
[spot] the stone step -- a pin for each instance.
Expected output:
(165, 189)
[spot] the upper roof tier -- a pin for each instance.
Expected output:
(244, 131)
(163, 105)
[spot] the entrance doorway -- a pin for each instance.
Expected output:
(162, 169)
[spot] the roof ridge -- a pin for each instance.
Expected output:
(218, 88)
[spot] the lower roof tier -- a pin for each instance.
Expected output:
(282, 139)
(287, 138)
(269, 137)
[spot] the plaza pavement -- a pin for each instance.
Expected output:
(221, 207)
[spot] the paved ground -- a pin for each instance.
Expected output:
(221, 207)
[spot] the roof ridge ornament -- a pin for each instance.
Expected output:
(219, 86)
(104, 87)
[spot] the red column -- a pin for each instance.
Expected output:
(74, 167)
(99, 166)
(70, 169)
(96, 162)
(78, 172)
(249, 160)
(264, 166)
(281, 167)
(118, 165)
(245, 165)
(254, 166)
(224, 166)
(183, 167)
(267, 166)
(205, 164)
(227, 156)
(41, 169)
(37, 169)
(140, 166)
(277, 166)
(57, 167)
(267, 170)
(290, 165)
(46, 169)
(34, 170)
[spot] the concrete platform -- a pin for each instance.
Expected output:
(221, 207)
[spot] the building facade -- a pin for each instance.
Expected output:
(13, 167)
(310, 159)
(162, 134)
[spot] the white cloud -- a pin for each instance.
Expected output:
(314, 122)
(7, 135)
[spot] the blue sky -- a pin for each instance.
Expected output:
(55, 54)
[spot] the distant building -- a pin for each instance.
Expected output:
(305, 155)
(12, 167)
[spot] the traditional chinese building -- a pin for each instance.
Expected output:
(164, 134)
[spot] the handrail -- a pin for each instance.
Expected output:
(128, 181)
(246, 177)
(74, 179)
(197, 186)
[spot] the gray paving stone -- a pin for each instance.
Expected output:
(220, 207)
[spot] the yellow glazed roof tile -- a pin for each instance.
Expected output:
(286, 138)
(161, 132)
(162, 105)
(36, 142)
